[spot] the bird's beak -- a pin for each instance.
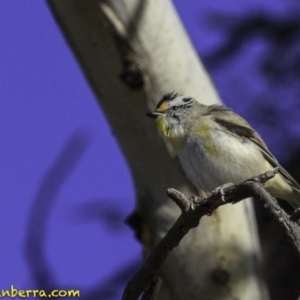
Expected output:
(153, 114)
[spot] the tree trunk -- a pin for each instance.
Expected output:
(133, 52)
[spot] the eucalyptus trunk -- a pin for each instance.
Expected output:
(132, 52)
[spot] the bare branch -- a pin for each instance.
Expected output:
(179, 198)
(193, 209)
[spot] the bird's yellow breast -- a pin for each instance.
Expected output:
(170, 135)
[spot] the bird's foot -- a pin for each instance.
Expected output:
(220, 190)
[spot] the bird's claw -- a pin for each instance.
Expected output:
(220, 190)
(194, 201)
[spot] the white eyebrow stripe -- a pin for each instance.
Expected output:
(178, 101)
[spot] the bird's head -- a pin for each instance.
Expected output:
(171, 112)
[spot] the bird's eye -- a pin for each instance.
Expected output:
(175, 107)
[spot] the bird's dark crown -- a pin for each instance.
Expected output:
(169, 97)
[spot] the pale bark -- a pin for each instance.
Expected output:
(146, 43)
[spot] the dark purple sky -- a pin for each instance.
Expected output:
(54, 134)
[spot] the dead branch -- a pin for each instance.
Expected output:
(193, 209)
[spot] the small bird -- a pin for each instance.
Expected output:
(216, 146)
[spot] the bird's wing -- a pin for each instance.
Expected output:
(243, 131)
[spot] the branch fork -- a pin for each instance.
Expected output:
(193, 208)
